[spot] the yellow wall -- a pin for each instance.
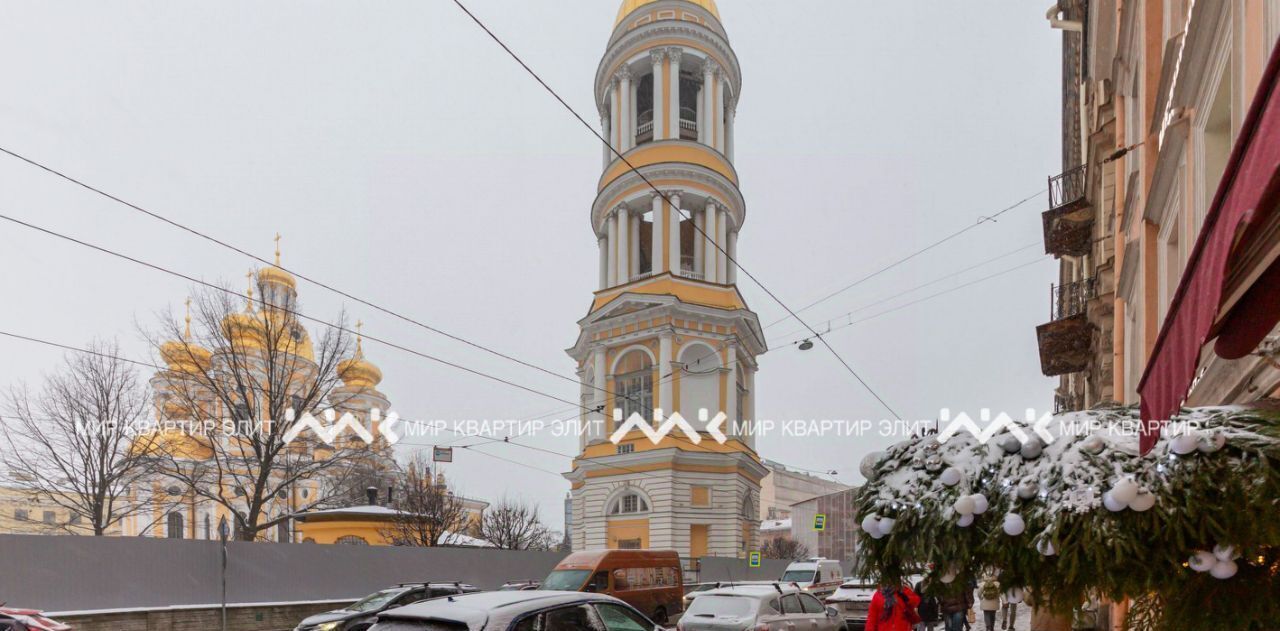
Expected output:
(698, 540)
(628, 529)
(331, 531)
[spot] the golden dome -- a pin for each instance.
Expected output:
(244, 329)
(629, 6)
(276, 275)
(359, 372)
(185, 357)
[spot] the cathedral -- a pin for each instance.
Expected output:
(667, 330)
(264, 347)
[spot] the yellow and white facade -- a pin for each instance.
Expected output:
(667, 329)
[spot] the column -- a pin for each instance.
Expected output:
(749, 401)
(728, 129)
(731, 390)
(673, 231)
(718, 100)
(673, 56)
(708, 102)
(722, 237)
(604, 262)
(657, 257)
(731, 276)
(610, 248)
(699, 241)
(623, 219)
(698, 117)
(615, 113)
(606, 129)
(656, 56)
(625, 113)
(635, 244)
(601, 386)
(665, 389)
(709, 222)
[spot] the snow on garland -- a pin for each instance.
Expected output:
(1195, 522)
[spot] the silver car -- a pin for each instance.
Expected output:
(769, 607)
(528, 610)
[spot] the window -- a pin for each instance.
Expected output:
(352, 540)
(790, 604)
(619, 618)
(626, 448)
(599, 582)
(75, 519)
(721, 606)
(49, 517)
(811, 604)
(700, 496)
(630, 544)
(21, 514)
(633, 377)
(173, 525)
(208, 531)
(629, 503)
(576, 618)
(282, 532)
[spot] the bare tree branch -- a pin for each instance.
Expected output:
(429, 512)
(515, 525)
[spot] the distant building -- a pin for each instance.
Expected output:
(771, 529)
(372, 524)
(839, 536)
(782, 487)
(22, 513)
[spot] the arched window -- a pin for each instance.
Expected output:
(173, 525)
(208, 530)
(633, 384)
(351, 540)
(627, 503)
(282, 532)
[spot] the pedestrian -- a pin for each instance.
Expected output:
(1009, 614)
(955, 606)
(989, 601)
(969, 617)
(929, 609)
(893, 608)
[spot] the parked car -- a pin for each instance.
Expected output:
(539, 610)
(817, 575)
(852, 599)
(772, 607)
(515, 586)
(693, 590)
(649, 580)
(13, 619)
(359, 616)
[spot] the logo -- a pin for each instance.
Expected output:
(330, 432)
(1040, 426)
(664, 427)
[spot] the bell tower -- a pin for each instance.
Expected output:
(667, 329)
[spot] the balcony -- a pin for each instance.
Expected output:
(687, 267)
(1068, 224)
(644, 127)
(1066, 342)
(688, 124)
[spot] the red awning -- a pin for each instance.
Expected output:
(1246, 196)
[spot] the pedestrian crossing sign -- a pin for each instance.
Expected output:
(820, 522)
(754, 560)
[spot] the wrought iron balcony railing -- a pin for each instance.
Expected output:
(1068, 188)
(1071, 298)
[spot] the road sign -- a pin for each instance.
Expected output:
(820, 521)
(754, 560)
(442, 454)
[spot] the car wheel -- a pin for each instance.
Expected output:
(660, 616)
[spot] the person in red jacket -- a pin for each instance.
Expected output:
(888, 610)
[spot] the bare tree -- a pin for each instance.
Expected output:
(515, 525)
(72, 444)
(246, 377)
(429, 514)
(784, 548)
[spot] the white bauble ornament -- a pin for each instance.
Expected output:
(1093, 444)
(980, 503)
(1143, 502)
(1014, 525)
(933, 463)
(1223, 569)
(1225, 553)
(1010, 444)
(965, 521)
(1032, 448)
(1212, 443)
(951, 476)
(1028, 489)
(886, 525)
(870, 524)
(1114, 505)
(1183, 444)
(965, 505)
(1013, 595)
(876, 533)
(868, 465)
(1045, 547)
(1202, 561)
(1125, 491)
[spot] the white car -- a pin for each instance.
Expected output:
(817, 575)
(852, 599)
(522, 610)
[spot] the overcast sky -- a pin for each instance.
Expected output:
(406, 159)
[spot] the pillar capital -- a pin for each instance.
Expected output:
(674, 53)
(710, 68)
(623, 74)
(657, 55)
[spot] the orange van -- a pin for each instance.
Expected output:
(649, 580)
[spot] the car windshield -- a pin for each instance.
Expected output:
(376, 600)
(720, 606)
(566, 580)
(798, 576)
(701, 588)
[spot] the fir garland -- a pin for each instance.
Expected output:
(1090, 517)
